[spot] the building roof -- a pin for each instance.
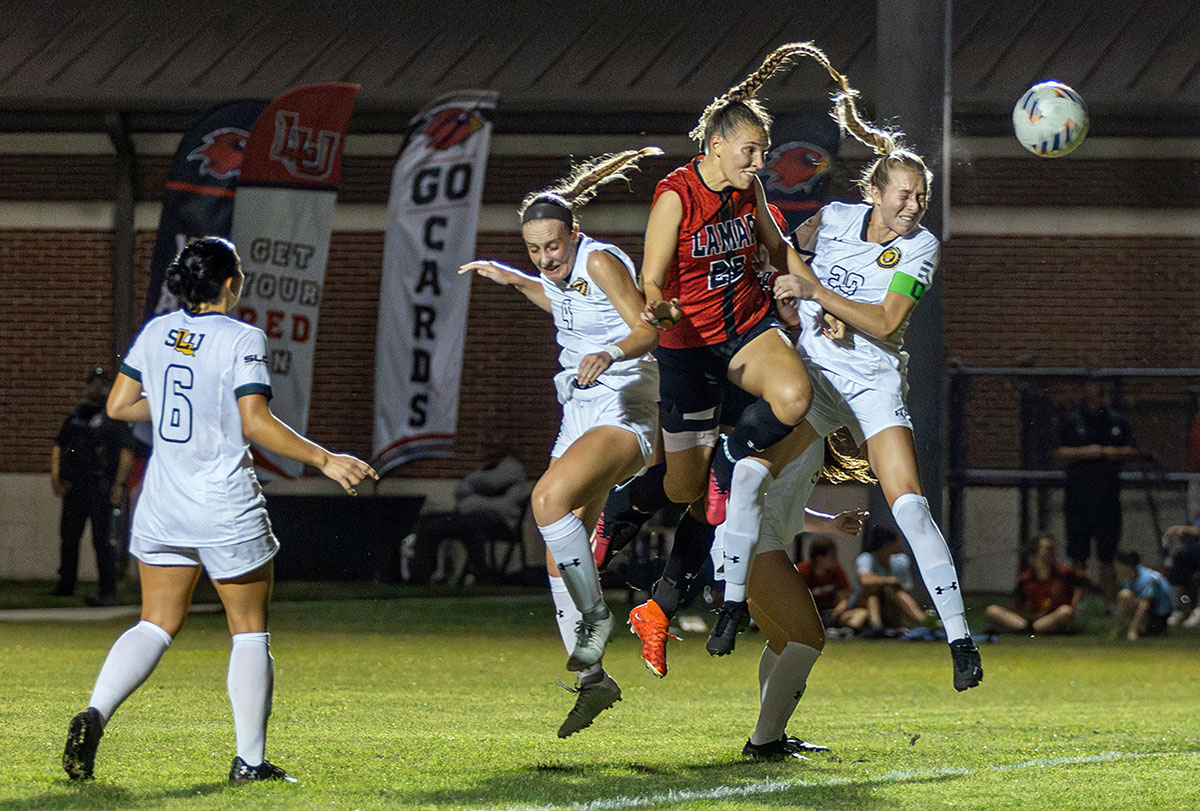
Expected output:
(612, 65)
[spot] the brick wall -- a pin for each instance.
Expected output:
(1066, 302)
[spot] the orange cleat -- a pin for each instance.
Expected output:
(651, 625)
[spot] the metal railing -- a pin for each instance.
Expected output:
(1034, 411)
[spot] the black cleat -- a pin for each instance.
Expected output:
(590, 700)
(968, 669)
(83, 736)
(782, 749)
(732, 619)
(241, 772)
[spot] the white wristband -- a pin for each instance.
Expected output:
(613, 351)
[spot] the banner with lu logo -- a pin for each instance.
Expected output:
(282, 220)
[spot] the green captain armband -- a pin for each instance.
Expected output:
(906, 285)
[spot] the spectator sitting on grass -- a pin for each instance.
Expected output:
(830, 586)
(885, 583)
(1144, 601)
(1046, 596)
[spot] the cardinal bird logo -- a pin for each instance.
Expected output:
(796, 167)
(221, 153)
(450, 127)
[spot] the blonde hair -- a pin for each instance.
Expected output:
(887, 144)
(739, 105)
(583, 183)
(844, 461)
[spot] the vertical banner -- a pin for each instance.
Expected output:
(433, 213)
(799, 166)
(282, 220)
(198, 197)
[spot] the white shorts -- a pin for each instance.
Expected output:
(223, 562)
(787, 496)
(628, 401)
(839, 401)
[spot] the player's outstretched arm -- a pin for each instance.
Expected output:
(267, 431)
(126, 401)
(500, 273)
(846, 524)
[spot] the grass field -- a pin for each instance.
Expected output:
(452, 703)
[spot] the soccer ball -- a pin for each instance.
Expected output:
(1050, 119)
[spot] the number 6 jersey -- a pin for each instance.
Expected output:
(845, 262)
(200, 487)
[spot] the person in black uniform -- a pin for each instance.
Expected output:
(88, 468)
(1095, 440)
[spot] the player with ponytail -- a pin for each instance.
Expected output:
(707, 224)
(201, 379)
(608, 388)
(873, 262)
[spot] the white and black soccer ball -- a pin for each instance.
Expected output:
(1050, 119)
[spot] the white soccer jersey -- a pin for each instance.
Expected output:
(584, 319)
(200, 488)
(845, 262)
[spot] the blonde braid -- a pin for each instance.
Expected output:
(746, 91)
(578, 188)
(887, 144)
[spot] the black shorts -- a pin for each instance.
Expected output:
(1088, 518)
(692, 381)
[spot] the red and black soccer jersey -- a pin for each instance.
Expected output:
(712, 274)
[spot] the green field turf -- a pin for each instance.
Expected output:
(451, 703)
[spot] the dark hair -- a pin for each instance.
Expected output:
(879, 537)
(819, 548)
(1129, 558)
(196, 275)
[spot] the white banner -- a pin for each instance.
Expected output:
(433, 212)
(282, 220)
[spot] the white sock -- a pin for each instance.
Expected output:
(933, 559)
(251, 683)
(743, 514)
(565, 612)
(590, 674)
(568, 543)
(130, 662)
(785, 685)
(765, 663)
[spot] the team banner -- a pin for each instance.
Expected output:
(799, 165)
(433, 213)
(282, 220)
(198, 197)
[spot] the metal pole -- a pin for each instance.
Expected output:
(913, 94)
(124, 235)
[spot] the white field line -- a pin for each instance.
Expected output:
(775, 786)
